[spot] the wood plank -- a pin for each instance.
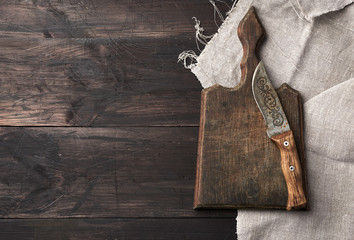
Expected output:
(96, 82)
(118, 229)
(118, 69)
(104, 19)
(98, 172)
(101, 63)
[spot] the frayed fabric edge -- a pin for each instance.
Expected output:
(189, 58)
(200, 37)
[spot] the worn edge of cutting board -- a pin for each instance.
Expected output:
(227, 149)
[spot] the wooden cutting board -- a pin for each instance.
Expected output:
(238, 166)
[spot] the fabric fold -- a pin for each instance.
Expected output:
(309, 45)
(310, 9)
(330, 165)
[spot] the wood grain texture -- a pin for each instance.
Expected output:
(294, 113)
(104, 64)
(291, 168)
(111, 229)
(95, 82)
(98, 172)
(103, 18)
(99, 63)
(238, 165)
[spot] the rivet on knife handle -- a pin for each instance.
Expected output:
(290, 165)
(279, 131)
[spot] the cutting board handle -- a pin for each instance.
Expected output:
(250, 32)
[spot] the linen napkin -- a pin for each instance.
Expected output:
(309, 45)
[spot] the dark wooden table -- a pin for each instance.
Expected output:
(99, 124)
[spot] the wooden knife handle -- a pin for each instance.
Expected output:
(291, 168)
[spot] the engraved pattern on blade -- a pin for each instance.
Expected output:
(268, 102)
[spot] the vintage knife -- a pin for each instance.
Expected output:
(279, 131)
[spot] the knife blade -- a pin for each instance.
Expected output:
(278, 130)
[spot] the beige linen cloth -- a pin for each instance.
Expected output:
(310, 46)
